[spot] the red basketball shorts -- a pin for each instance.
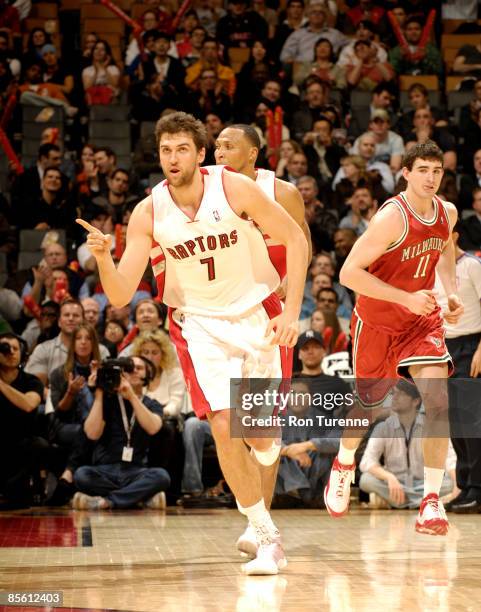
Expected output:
(385, 357)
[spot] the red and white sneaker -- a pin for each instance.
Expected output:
(432, 517)
(338, 489)
(247, 543)
(269, 560)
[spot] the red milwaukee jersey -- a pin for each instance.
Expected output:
(408, 264)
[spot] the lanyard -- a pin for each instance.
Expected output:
(127, 427)
(407, 441)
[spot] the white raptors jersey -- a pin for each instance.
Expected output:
(216, 264)
(266, 179)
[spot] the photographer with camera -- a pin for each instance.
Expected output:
(22, 452)
(121, 421)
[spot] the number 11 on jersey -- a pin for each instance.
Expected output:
(422, 266)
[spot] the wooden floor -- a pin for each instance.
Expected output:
(185, 560)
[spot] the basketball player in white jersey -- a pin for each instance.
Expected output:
(200, 227)
(237, 147)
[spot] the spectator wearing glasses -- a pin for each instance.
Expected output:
(389, 145)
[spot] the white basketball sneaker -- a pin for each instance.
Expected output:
(432, 517)
(269, 560)
(338, 489)
(270, 556)
(247, 543)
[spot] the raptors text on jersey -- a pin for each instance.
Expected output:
(216, 264)
(407, 264)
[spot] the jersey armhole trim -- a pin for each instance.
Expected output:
(153, 218)
(401, 239)
(446, 212)
(225, 194)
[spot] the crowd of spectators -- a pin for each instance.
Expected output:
(329, 74)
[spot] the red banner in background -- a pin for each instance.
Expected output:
(138, 29)
(119, 241)
(7, 113)
(184, 7)
(274, 134)
(424, 36)
(120, 13)
(32, 306)
(10, 153)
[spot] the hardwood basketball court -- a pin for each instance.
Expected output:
(185, 560)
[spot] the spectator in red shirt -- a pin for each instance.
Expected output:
(366, 10)
(9, 18)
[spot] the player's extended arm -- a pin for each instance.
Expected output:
(121, 282)
(384, 229)
(446, 270)
(247, 198)
(288, 196)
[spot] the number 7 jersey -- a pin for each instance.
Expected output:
(216, 264)
(407, 264)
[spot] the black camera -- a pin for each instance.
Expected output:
(108, 375)
(5, 348)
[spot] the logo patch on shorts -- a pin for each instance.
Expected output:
(435, 341)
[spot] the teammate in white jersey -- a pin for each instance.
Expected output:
(237, 146)
(242, 338)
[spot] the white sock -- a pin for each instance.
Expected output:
(259, 518)
(433, 479)
(345, 455)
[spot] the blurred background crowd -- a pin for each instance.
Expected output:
(337, 92)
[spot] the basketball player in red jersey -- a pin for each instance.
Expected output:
(237, 147)
(200, 227)
(397, 327)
